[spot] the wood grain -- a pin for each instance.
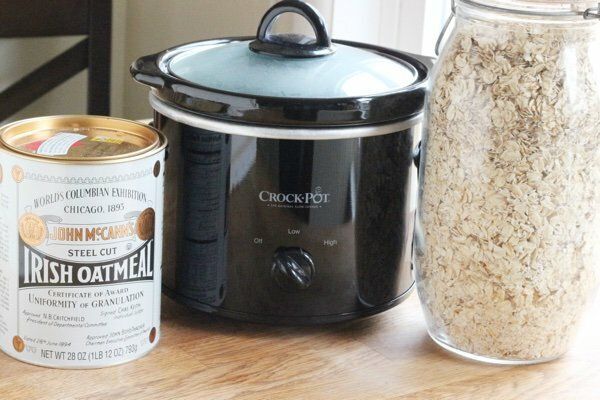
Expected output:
(388, 356)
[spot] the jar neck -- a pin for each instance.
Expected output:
(527, 11)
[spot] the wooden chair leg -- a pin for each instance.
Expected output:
(99, 58)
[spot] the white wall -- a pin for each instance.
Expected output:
(154, 25)
(408, 25)
(143, 27)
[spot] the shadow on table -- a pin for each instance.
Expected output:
(397, 333)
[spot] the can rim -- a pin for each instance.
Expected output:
(155, 139)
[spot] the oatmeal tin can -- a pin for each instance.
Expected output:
(81, 205)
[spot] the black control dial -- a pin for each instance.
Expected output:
(292, 268)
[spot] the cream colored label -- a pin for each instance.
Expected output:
(59, 144)
(80, 261)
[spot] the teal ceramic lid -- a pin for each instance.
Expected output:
(288, 79)
(347, 72)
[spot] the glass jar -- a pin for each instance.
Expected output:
(507, 258)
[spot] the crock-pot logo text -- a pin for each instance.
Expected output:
(314, 198)
(39, 269)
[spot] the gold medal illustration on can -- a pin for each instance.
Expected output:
(32, 229)
(18, 344)
(152, 336)
(18, 174)
(144, 225)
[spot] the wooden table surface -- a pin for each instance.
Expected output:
(386, 356)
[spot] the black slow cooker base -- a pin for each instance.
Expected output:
(288, 231)
(286, 320)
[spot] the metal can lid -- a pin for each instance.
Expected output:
(79, 138)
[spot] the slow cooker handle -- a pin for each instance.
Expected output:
(293, 45)
(145, 70)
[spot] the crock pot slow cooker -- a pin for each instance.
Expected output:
(291, 181)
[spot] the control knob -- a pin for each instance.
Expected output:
(292, 268)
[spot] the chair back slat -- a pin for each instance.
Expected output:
(33, 18)
(43, 18)
(45, 78)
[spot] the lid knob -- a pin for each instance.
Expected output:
(292, 45)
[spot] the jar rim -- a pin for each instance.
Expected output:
(585, 9)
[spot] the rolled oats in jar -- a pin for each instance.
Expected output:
(508, 257)
(81, 201)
